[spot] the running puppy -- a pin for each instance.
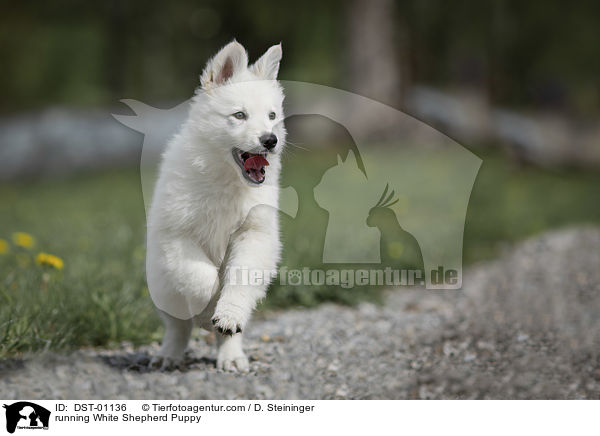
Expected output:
(214, 209)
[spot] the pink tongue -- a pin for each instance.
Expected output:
(255, 162)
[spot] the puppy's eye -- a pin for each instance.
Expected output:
(272, 115)
(240, 115)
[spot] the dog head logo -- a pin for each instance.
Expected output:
(26, 415)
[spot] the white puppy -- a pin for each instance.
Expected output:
(214, 209)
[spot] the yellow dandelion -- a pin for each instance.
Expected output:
(49, 260)
(4, 247)
(23, 239)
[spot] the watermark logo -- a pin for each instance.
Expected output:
(386, 206)
(345, 278)
(24, 415)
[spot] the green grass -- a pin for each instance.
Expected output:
(511, 202)
(96, 224)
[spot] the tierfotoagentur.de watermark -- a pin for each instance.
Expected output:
(345, 278)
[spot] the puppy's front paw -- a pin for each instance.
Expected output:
(232, 360)
(226, 324)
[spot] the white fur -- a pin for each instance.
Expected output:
(206, 217)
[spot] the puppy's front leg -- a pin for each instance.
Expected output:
(230, 355)
(253, 249)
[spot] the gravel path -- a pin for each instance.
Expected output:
(525, 326)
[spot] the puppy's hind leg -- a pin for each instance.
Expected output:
(177, 336)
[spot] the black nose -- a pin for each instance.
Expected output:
(268, 140)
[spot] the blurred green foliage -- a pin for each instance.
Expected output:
(534, 53)
(79, 53)
(96, 224)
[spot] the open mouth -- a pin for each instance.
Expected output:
(252, 165)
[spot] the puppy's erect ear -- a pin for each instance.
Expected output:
(229, 61)
(267, 66)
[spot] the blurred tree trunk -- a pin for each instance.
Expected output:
(374, 51)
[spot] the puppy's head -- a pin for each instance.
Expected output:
(238, 109)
